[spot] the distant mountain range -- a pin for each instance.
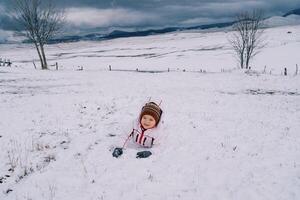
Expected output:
(121, 34)
(293, 12)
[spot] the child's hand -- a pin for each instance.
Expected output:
(117, 152)
(143, 154)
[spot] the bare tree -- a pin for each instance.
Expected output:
(247, 39)
(41, 22)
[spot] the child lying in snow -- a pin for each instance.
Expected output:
(144, 131)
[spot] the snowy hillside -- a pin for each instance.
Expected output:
(283, 21)
(113, 33)
(227, 134)
(9, 37)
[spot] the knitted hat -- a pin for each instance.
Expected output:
(153, 110)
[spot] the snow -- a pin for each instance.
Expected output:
(283, 21)
(9, 37)
(228, 134)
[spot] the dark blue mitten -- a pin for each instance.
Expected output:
(117, 152)
(143, 154)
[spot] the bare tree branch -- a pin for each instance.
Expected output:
(41, 22)
(247, 39)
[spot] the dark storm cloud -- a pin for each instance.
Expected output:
(141, 13)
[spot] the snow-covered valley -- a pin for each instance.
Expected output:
(229, 133)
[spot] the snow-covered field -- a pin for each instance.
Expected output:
(228, 134)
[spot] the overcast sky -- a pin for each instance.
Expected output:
(155, 13)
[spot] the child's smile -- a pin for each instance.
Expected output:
(148, 121)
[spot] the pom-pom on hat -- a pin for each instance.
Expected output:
(153, 110)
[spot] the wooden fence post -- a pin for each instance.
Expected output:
(9, 63)
(34, 64)
(285, 71)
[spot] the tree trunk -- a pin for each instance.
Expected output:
(247, 63)
(39, 53)
(242, 61)
(44, 57)
(248, 54)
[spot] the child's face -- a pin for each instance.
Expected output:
(148, 121)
